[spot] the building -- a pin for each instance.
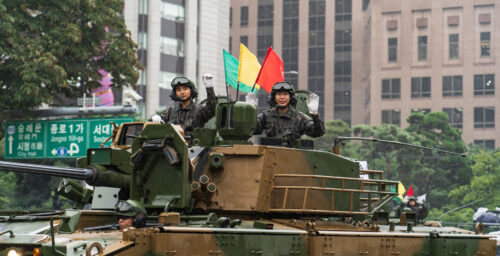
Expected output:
(303, 34)
(430, 56)
(377, 61)
(177, 37)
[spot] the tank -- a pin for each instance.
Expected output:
(219, 193)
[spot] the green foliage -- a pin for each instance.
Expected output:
(429, 172)
(52, 48)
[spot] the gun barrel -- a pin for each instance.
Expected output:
(65, 172)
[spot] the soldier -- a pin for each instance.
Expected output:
(187, 113)
(413, 206)
(132, 214)
(283, 121)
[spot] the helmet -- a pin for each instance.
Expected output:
(132, 209)
(282, 87)
(184, 81)
(129, 208)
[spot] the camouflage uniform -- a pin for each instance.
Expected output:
(194, 115)
(290, 126)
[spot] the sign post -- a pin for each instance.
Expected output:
(66, 138)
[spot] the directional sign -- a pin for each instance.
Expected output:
(67, 138)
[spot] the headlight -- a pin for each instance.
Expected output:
(13, 252)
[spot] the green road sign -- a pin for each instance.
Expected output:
(66, 138)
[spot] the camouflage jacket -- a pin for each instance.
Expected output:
(194, 115)
(289, 126)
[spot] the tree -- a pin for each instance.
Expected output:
(52, 48)
(439, 172)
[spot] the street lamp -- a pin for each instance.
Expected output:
(291, 72)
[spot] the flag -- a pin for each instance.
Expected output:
(410, 192)
(231, 72)
(104, 91)
(271, 72)
(422, 198)
(401, 191)
(249, 67)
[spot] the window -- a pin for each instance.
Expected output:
(422, 48)
(485, 144)
(484, 117)
(172, 46)
(244, 16)
(142, 40)
(143, 77)
(391, 88)
(391, 117)
(393, 49)
(455, 116)
(421, 87)
(172, 12)
(343, 40)
(244, 40)
(231, 45)
(452, 86)
(484, 84)
(485, 44)
(230, 16)
(453, 45)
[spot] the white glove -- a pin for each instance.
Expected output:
(157, 119)
(208, 80)
(313, 103)
(252, 99)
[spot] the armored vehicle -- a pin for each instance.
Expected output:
(218, 193)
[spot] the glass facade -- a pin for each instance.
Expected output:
(290, 46)
(171, 46)
(265, 23)
(316, 65)
(342, 103)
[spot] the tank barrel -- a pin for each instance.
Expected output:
(65, 172)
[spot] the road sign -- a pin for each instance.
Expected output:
(66, 138)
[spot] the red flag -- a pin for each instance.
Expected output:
(410, 191)
(271, 71)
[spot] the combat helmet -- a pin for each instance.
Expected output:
(184, 81)
(282, 87)
(132, 209)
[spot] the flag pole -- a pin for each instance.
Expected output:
(237, 90)
(253, 87)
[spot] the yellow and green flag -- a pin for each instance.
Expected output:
(401, 192)
(249, 68)
(231, 65)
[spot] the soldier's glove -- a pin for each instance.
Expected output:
(208, 80)
(313, 103)
(157, 119)
(252, 99)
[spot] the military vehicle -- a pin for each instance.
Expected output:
(218, 193)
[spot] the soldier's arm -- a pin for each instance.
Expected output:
(261, 120)
(313, 127)
(208, 111)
